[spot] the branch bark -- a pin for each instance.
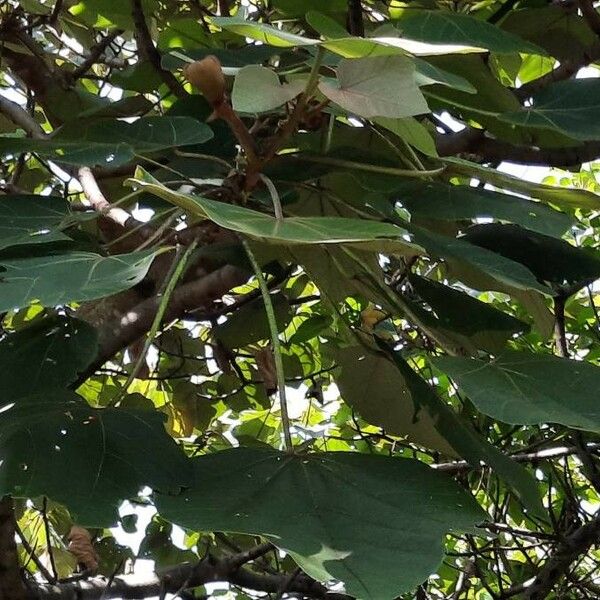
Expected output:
(12, 586)
(149, 52)
(567, 551)
(477, 142)
(181, 577)
(117, 334)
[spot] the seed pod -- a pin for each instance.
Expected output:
(207, 76)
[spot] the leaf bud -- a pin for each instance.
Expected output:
(207, 75)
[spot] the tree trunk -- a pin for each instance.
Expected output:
(12, 586)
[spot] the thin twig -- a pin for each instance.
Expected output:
(33, 556)
(48, 544)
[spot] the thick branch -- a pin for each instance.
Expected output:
(11, 583)
(118, 334)
(149, 52)
(590, 14)
(354, 19)
(20, 117)
(185, 576)
(475, 141)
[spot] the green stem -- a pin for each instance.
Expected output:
(358, 166)
(175, 273)
(264, 290)
(277, 209)
(313, 78)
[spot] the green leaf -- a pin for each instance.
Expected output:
(559, 196)
(325, 25)
(466, 316)
(257, 89)
(439, 201)
(69, 277)
(29, 219)
(382, 86)
(262, 32)
(87, 459)
(348, 47)
(310, 328)
(249, 324)
(412, 132)
(527, 389)
(494, 265)
(111, 142)
(428, 74)
(551, 260)
(373, 386)
(148, 134)
(69, 152)
(47, 354)
(373, 522)
(444, 27)
(571, 107)
(466, 441)
(291, 230)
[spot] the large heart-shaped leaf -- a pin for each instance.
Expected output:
(465, 440)
(88, 459)
(439, 201)
(373, 522)
(571, 107)
(524, 388)
(29, 219)
(444, 27)
(383, 86)
(257, 89)
(70, 277)
(48, 354)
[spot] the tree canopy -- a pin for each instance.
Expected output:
(268, 271)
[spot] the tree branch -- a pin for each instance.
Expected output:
(11, 583)
(117, 334)
(149, 52)
(95, 53)
(567, 551)
(525, 457)
(354, 18)
(20, 117)
(477, 142)
(590, 14)
(98, 201)
(181, 577)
